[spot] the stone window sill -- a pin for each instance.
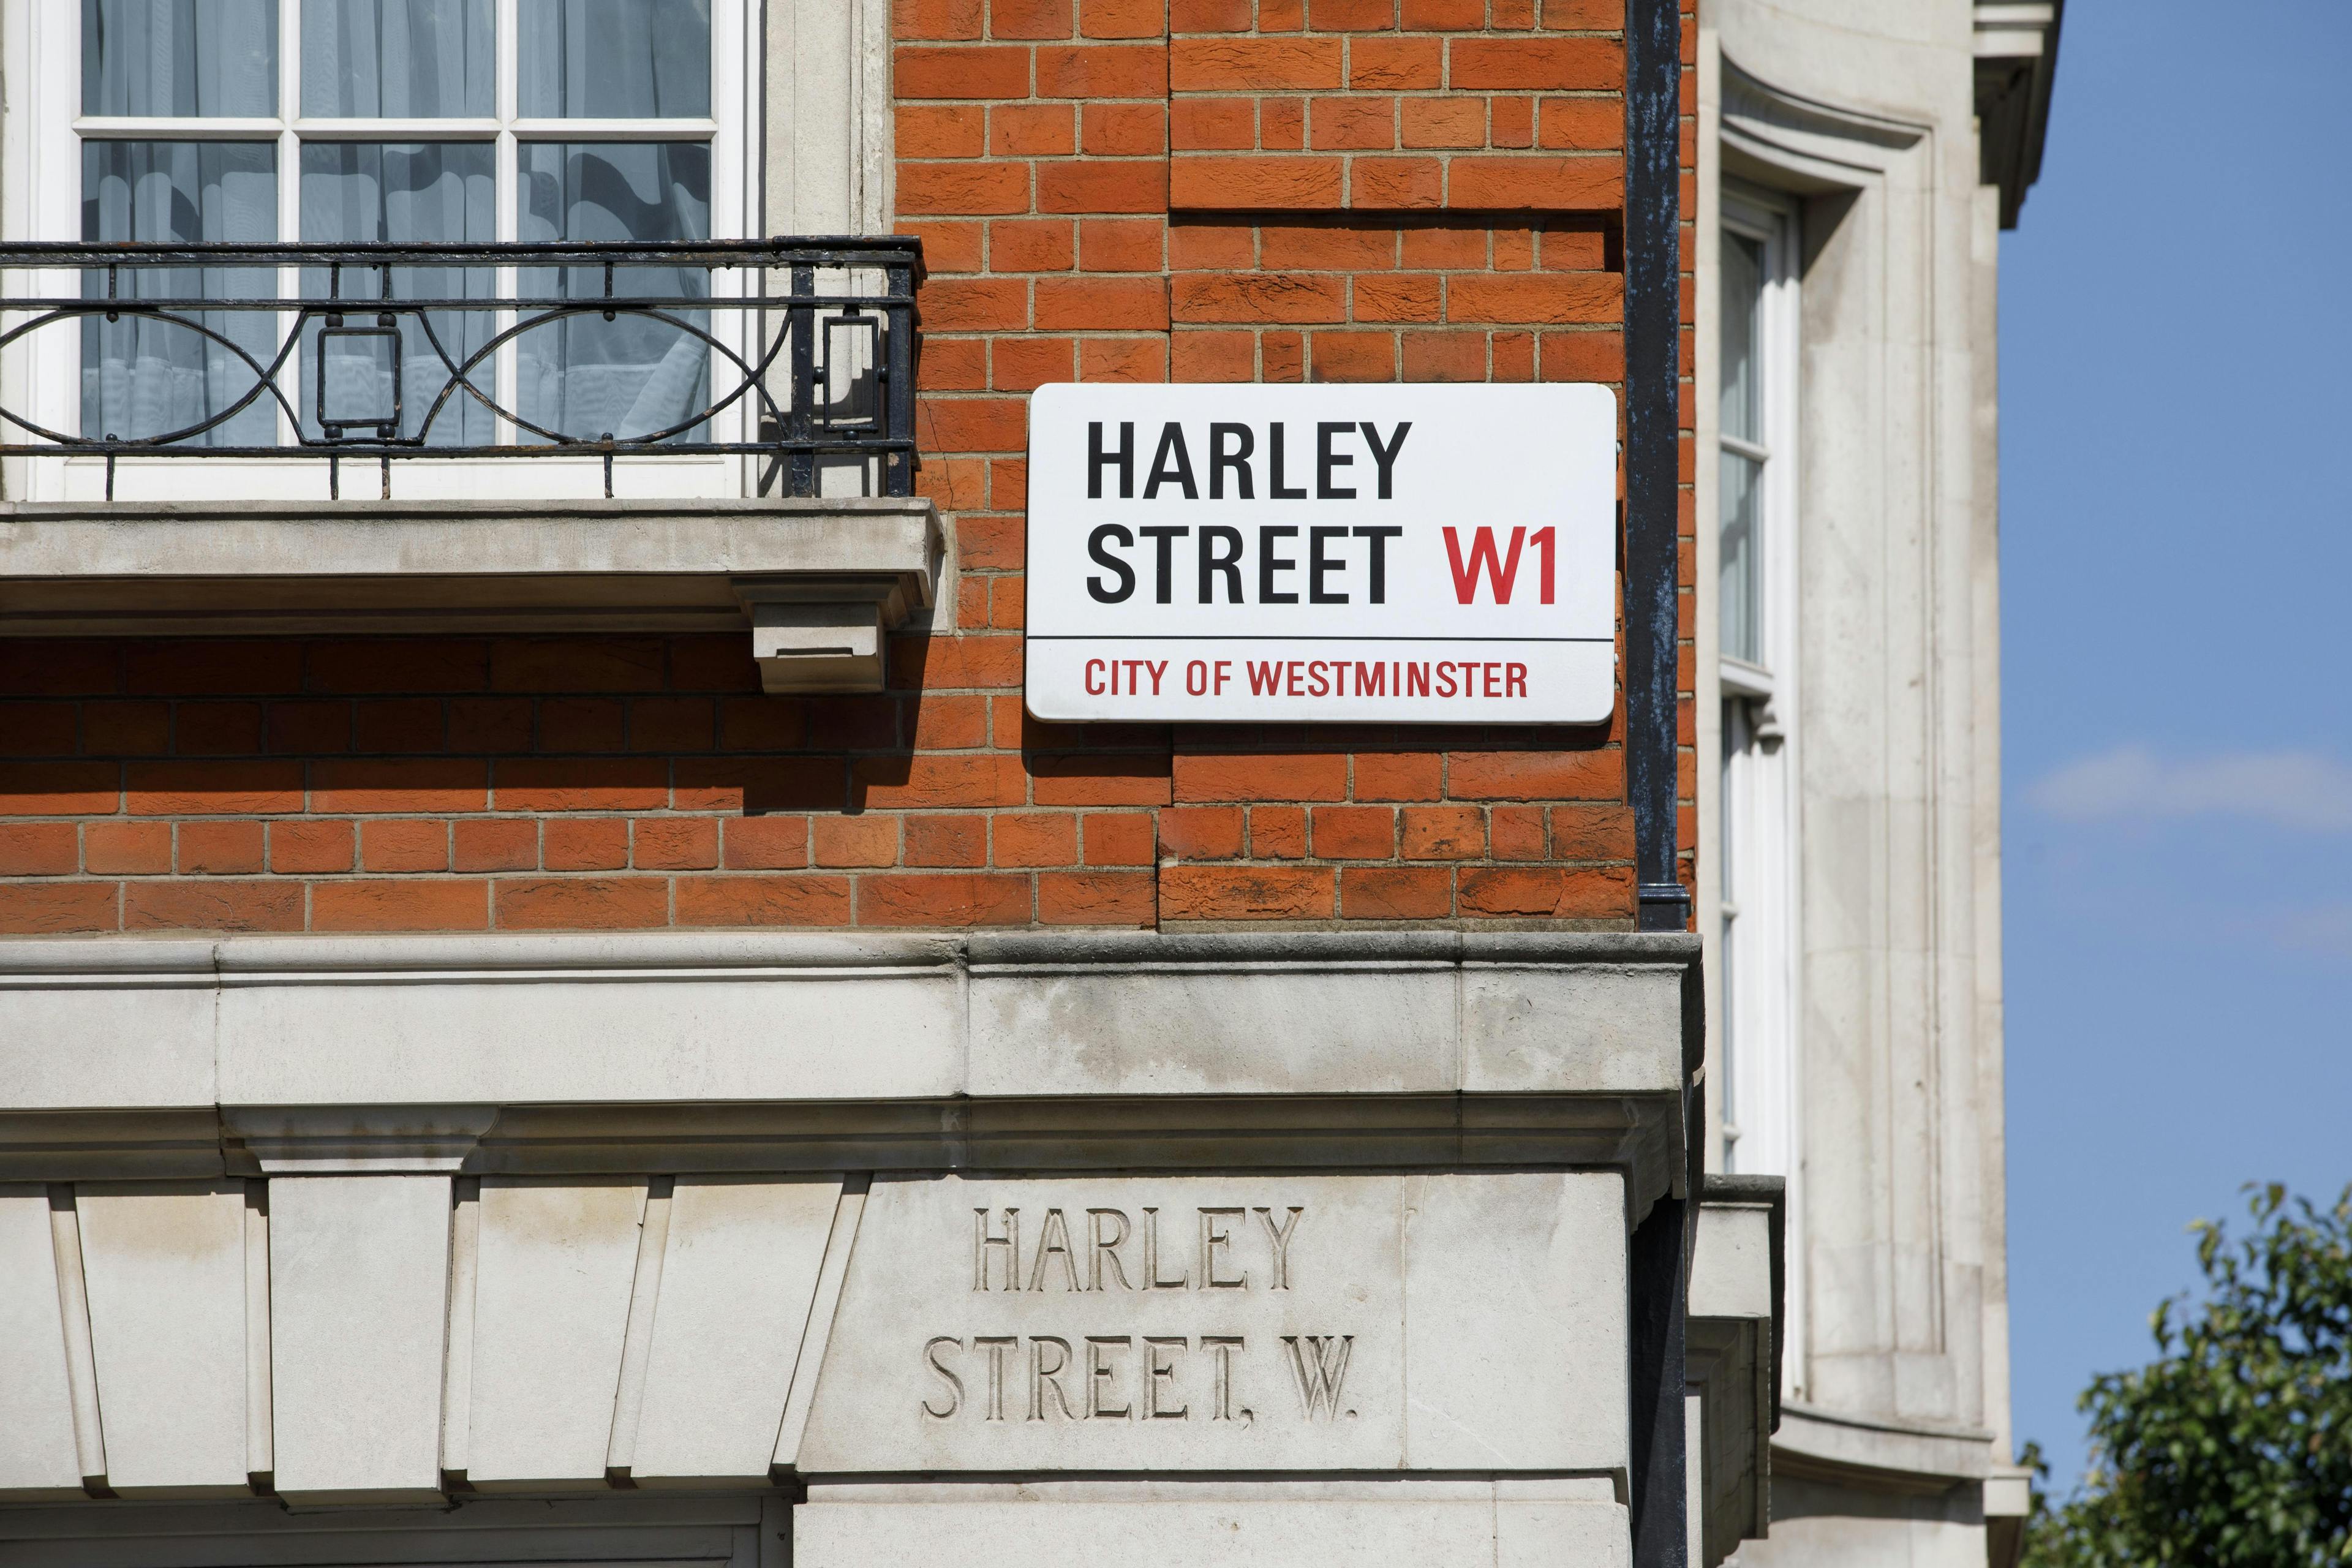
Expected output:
(817, 584)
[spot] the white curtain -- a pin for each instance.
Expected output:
(583, 375)
(178, 57)
(414, 59)
(617, 59)
(425, 192)
(141, 376)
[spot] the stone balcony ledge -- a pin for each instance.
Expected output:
(817, 584)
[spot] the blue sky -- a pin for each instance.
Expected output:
(2175, 346)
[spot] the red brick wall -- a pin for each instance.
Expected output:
(1356, 190)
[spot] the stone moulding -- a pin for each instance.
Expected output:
(818, 583)
(739, 1051)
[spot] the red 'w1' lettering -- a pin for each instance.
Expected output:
(1265, 680)
(1502, 570)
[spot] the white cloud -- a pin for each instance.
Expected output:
(2298, 790)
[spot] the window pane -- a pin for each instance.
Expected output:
(179, 57)
(417, 192)
(583, 375)
(416, 59)
(142, 376)
(617, 59)
(1743, 288)
(1738, 480)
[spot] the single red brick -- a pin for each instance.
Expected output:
(134, 729)
(1444, 15)
(585, 844)
(943, 898)
(1354, 356)
(68, 668)
(937, 18)
(1037, 838)
(581, 724)
(1103, 70)
(212, 906)
(854, 841)
(1351, 16)
(766, 843)
(1295, 775)
(1445, 122)
(1032, 130)
(1110, 359)
(1101, 778)
(959, 73)
(574, 783)
(972, 424)
(395, 724)
(1349, 246)
(213, 667)
(218, 848)
(798, 901)
(216, 789)
(412, 845)
(1601, 893)
(216, 729)
(312, 846)
(1513, 123)
(1537, 776)
(1212, 124)
(1517, 832)
(1587, 16)
(946, 840)
(1511, 14)
(946, 722)
(1118, 838)
(948, 245)
(1445, 356)
(976, 304)
(1352, 125)
(1201, 832)
(1282, 356)
(397, 664)
(312, 727)
(1255, 181)
(1354, 833)
(1399, 775)
(950, 364)
(1102, 185)
(1396, 894)
(38, 728)
(1209, 15)
(577, 664)
(39, 850)
(1514, 356)
(403, 785)
(1122, 18)
(1587, 355)
(1214, 356)
(1028, 245)
(60, 789)
(672, 723)
(1585, 833)
(1262, 297)
(127, 849)
(861, 724)
(1396, 65)
(490, 724)
(1277, 833)
(495, 844)
(940, 130)
(1227, 65)
(1029, 18)
(1582, 124)
(759, 784)
(674, 842)
(1519, 181)
(54, 908)
(1535, 65)
(583, 903)
(1444, 832)
(1096, 897)
(1396, 184)
(1246, 892)
(954, 663)
(963, 187)
(1124, 245)
(431, 903)
(1102, 304)
(1124, 130)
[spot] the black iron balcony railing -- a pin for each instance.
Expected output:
(796, 354)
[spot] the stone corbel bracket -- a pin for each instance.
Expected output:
(827, 634)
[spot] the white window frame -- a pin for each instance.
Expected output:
(40, 199)
(1759, 799)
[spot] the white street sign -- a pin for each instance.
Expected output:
(1424, 554)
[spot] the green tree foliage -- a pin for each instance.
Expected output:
(2234, 1448)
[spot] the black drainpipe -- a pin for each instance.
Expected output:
(1653, 330)
(1659, 1247)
